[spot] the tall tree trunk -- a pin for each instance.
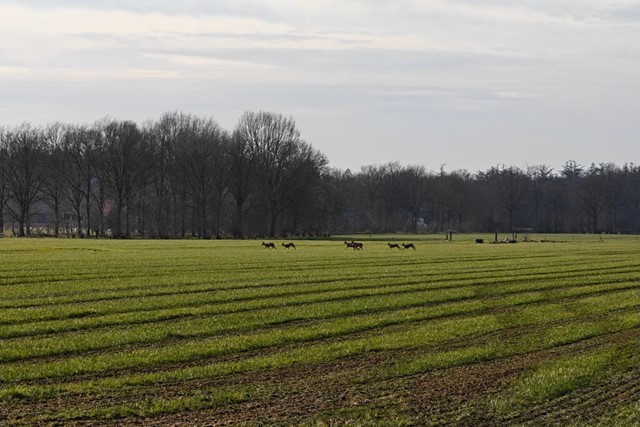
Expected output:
(118, 230)
(88, 207)
(79, 225)
(127, 218)
(21, 221)
(203, 234)
(56, 218)
(143, 216)
(273, 218)
(239, 227)
(239, 232)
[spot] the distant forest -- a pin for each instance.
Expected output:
(184, 176)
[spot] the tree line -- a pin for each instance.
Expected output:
(185, 176)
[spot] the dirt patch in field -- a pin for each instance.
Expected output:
(583, 406)
(323, 392)
(326, 394)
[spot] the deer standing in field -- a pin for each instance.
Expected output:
(289, 245)
(393, 246)
(269, 245)
(409, 245)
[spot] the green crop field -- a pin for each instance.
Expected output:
(148, 332)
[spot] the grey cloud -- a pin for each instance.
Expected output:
(244, 8)
(628, 13)
(534, 93)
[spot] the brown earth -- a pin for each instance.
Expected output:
(326, 394)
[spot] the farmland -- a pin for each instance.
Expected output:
(227, 332)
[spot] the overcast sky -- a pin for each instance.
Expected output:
(466, 83)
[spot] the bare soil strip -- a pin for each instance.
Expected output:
(301, 394)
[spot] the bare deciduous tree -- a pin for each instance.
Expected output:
(592, 195)
(53, 188)
(4, 163)
(272, 144)
(415, 185)
(201, 158)
(370, 179)
(171, 177)
(240, 181)
(120, 151)
(25, 173)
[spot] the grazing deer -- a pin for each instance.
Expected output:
(409, 245)
(289, 245)
(269, 245)
(393, 246)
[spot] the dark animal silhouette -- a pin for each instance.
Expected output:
(269, 245)
(289, 245)
(356, 246)
(393, 246)
(409, 245)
